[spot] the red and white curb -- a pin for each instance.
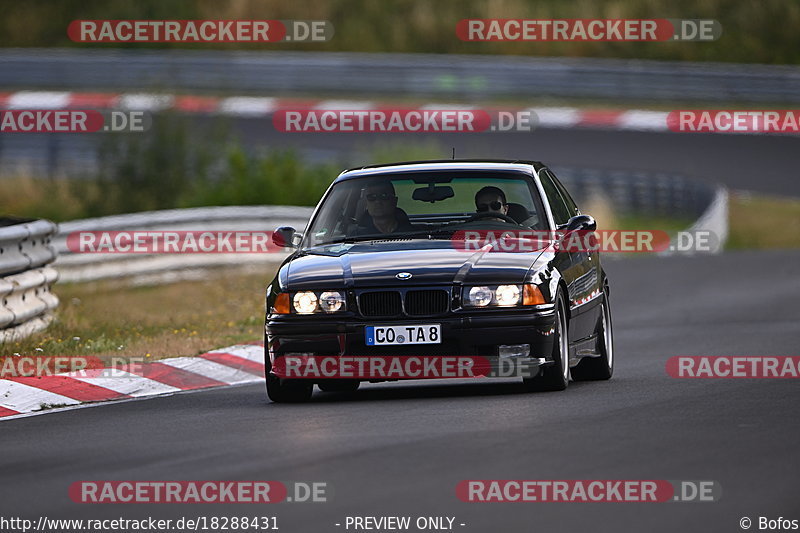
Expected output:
(252, 106)
(234, 365)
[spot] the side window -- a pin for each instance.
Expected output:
(557, 205)
(571, 206)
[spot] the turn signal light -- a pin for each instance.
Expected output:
(531, 295)
(281, 306)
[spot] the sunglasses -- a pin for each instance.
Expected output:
(383, 196)
(494, 206)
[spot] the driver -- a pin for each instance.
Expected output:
(491, 200)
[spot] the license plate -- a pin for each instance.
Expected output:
(396, 335)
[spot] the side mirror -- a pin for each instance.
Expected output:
(283, 237)
(581, 223)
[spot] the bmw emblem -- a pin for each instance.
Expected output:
(403, 275)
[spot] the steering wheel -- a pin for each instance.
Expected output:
(491, 214)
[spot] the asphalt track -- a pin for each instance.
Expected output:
(762, 163)
(400, 449)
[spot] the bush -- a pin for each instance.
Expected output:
(276, 178)
(143, 172)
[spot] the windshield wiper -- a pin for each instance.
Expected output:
(388, 237)
(348, 240)
(415, 234)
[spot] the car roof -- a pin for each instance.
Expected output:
(443, 164)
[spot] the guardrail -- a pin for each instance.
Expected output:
(429, 75)
(26, 303)
(77, 267)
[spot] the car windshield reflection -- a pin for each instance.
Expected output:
(424, 205)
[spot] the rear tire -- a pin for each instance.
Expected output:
(554, 377)
(599, 368)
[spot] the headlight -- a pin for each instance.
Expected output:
(331, 301)
(310, 302)
(502, 295)
(479, 296)
(507, 295)
(305, 302)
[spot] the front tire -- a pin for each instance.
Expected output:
(556, 376)
(285, 390)
(599, 368)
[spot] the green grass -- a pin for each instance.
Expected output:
(763, 222)
(111, 319)
(632, 222)
(755, 222)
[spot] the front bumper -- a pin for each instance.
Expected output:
(463, 334)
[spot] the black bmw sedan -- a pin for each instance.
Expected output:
(408, 263)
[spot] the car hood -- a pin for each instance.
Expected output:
(428, 262)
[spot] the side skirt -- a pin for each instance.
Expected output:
(583, 348)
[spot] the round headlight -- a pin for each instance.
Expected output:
(331, 301)
(305, 302)
(507, 295)
(480, 296)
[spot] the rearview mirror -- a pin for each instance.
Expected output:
(432, 193)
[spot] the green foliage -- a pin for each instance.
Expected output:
(754, 31)
(145, 172)
(169, 168)
(394, 152)
(277, 178)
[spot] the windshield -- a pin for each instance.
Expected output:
(393, 206)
